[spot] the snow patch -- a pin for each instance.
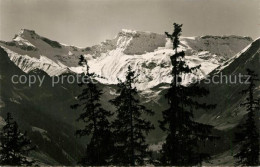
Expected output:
(22, 41)
(42, 132)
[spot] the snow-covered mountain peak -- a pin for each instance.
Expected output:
(134, 33)
(24, 37)
(127, 32)
(223, 46)
(27, 33)
(138, 42)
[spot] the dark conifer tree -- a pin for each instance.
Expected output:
(130, 127)
(96, 121)
(15, 146)
(248, 138)
(184, 135)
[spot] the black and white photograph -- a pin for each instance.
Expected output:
(129, 82)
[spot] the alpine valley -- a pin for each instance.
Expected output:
(45, 113)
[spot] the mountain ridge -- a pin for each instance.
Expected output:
(148, 52)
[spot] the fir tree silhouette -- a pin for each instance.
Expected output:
(183, 134)
(248, 137)
(15, 146)
(95, 119)
(129, 126)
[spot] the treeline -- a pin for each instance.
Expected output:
(119, 138)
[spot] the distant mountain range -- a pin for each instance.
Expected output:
(148, 53)
(45, 111)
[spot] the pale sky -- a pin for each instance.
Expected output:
(88, 22)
